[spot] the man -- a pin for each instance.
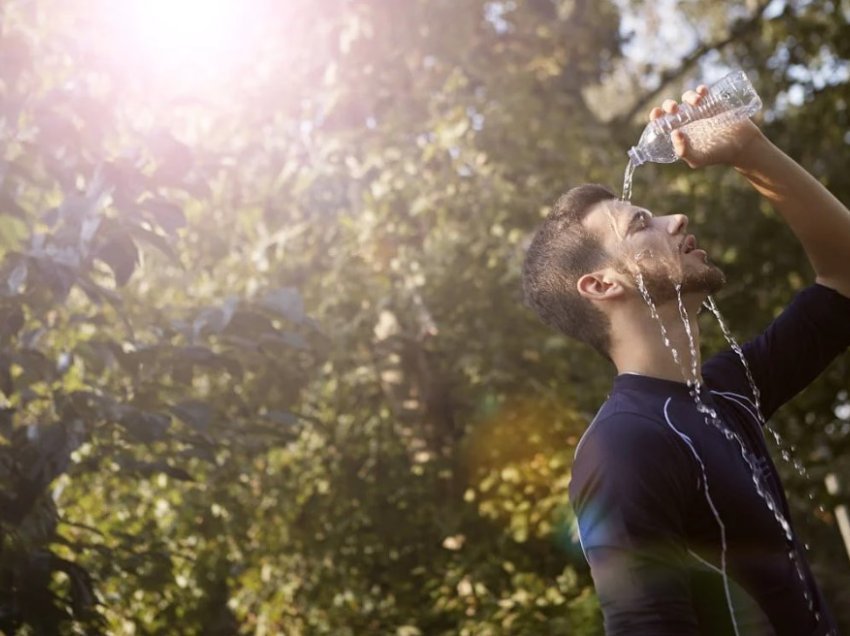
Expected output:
(681, 513)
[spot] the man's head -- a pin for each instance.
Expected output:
(563, 249)
(591, 250)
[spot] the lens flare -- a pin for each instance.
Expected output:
(184, 40)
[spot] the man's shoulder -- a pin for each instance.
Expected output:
(622, 431)
(621, 411)
(622, 451)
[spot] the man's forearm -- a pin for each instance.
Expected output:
(819, 220)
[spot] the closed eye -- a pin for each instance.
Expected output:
(639, 221)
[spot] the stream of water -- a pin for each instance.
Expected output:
(653, 310)
(691, 376)
(627, 181)
(711, 417)
(785, 449)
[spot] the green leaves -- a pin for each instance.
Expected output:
(262, 346)
(142, 426)
(138, 468)
(120, 253)
(165, 214)
(196, 414)
(286, 303)
(214, 320)
(16, 277)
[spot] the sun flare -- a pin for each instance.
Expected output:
(184, 38)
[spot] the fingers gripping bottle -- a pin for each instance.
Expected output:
(730, 100)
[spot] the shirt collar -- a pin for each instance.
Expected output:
(656, 386)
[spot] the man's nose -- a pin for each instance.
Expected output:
(677, 223)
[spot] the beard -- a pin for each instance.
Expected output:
(661, 281)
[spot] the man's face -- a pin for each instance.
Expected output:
(657, 247)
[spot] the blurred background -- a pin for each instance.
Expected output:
(263, 359)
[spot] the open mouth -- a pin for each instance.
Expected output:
(688, 244)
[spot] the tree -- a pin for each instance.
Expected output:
(265, 364)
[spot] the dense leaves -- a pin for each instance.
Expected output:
(264, 363)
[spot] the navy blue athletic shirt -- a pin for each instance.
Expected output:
(646, 526)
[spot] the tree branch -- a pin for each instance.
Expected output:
(740, 28)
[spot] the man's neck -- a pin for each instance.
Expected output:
(641, 349)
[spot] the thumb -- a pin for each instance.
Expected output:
(680, 143)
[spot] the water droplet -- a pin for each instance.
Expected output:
(711, 417)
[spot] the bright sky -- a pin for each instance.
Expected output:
(661, 34)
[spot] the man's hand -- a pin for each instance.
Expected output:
(819, 220)
(721, 139)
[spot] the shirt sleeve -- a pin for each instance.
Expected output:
(794, 349)
(632, 483)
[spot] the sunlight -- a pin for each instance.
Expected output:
(183, 38)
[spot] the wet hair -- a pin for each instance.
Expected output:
(562, 251)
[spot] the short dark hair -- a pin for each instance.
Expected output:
(562, 251)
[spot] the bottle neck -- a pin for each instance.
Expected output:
(637, 156)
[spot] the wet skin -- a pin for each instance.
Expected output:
(657, 247)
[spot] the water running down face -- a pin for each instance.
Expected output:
(659, 252)
(657, 247)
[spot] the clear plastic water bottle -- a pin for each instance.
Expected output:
(730, 100)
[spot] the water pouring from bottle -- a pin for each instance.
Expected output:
(726, 103)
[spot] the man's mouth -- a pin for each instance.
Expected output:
(688, 244)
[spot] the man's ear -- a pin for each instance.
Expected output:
(600, 285)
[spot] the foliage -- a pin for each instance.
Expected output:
(264, 362)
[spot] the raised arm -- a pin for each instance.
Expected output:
(819, 221)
